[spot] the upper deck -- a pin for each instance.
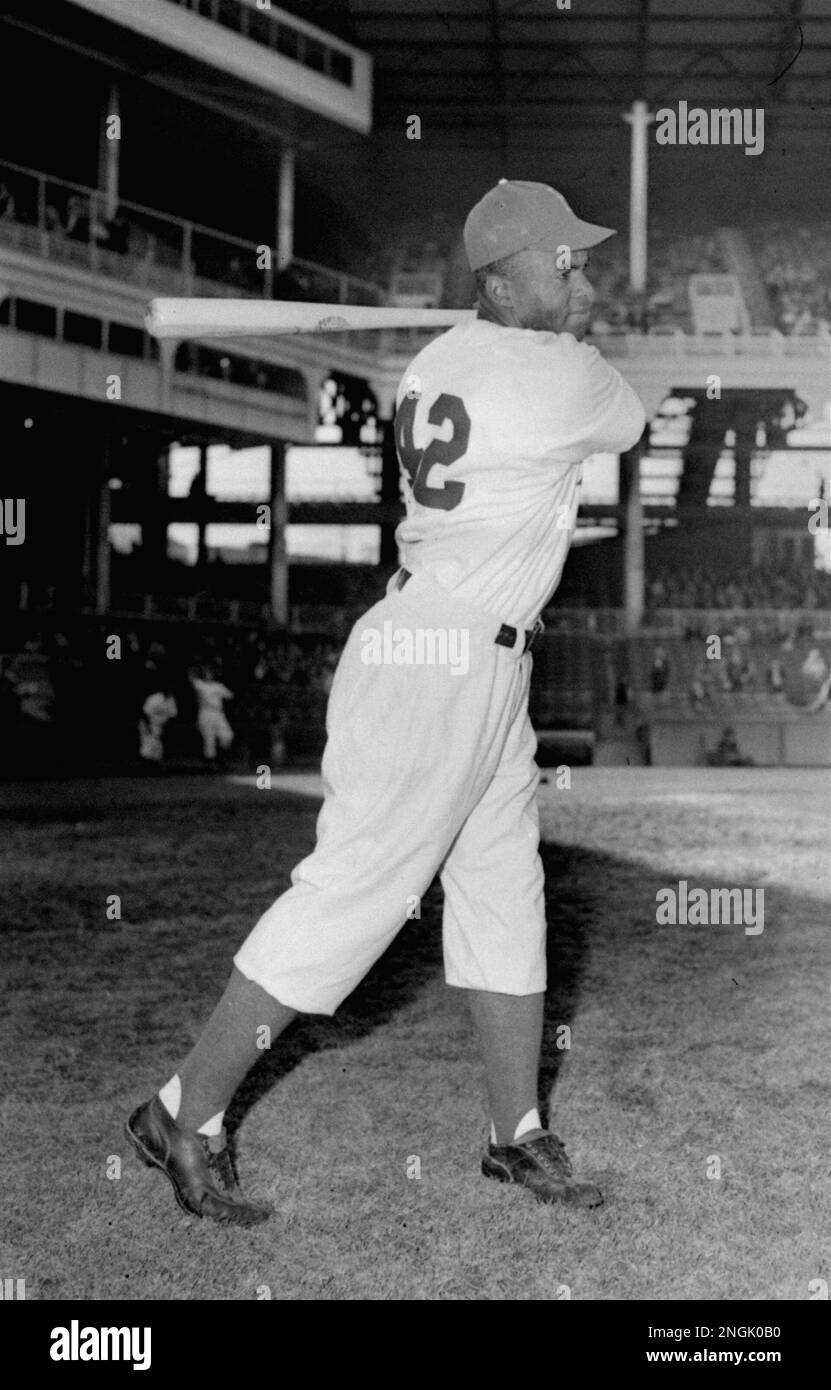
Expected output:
(258, 44)
(89, 298)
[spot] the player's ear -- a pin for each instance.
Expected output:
(499, 289)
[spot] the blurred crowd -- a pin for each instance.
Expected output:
(795, 264)
(772, 587)
(796, 674)
(74, 216)
(708, 677)
(672, 259)
(123, 700)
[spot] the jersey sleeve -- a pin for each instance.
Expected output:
(585, 404)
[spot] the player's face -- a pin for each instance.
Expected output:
(550, 296)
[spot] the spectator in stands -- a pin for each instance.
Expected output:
(659, 675)
(821, 698)
(292, 283)
(29, 701)
(699, 692)
(775, 676)
(323, 664)
(733, 671)
(623, 698)
(610, 676)
(76, 222)
(117, 237)
(7, 203)
(657, 592)
(84, 221)
(643, 738)
(210, 720)
(749, 672)
(9, 706)
(727, 752)
(28, 674)
(814, 667)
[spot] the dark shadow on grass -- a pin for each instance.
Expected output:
(572, 907)
(414, 958)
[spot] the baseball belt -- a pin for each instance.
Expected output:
(506, 636)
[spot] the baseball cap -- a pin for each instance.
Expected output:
(516, 215)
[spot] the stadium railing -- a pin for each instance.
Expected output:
(192, 608)
(63, 221)
(184, 608)
(676, 622)
(662, 342)
(674, 342)
(774, 621)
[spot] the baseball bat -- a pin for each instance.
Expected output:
(236, 318)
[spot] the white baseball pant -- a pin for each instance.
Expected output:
(424, 771)
(214, 728)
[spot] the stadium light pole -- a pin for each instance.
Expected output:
(109, 154)
(638, 119)
(285, 209)
(634, 557)
(102, 531)
(278, 566)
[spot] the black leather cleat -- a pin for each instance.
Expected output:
(204, 1183)
(542, 1166)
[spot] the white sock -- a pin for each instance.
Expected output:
(213, 1126)
(528, 1123)
(171, 1098)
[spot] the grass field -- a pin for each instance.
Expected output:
(689, 1043)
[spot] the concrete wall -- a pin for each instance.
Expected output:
(798, 743)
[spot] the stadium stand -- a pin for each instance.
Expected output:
(673, 257)
(782, 272)
(795, 263)
(728, 667)
(63, 222)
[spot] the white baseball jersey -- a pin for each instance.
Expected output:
(211, 695)
(425, 772)
(492, 426)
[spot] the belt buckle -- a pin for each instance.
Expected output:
(534, 633)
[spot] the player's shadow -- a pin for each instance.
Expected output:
(415, 958)
(573, 908)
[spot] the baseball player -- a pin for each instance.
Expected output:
(211, 722)
(158, 709)
(429, 765)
